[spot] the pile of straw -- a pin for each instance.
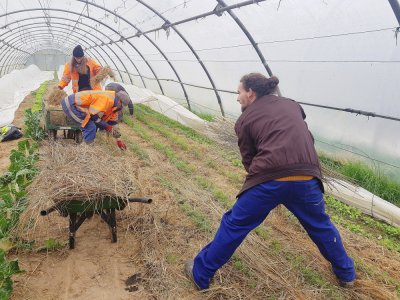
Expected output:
(101, 75)
(84, 173)
(75, 172)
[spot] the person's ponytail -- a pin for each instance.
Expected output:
(260, 84)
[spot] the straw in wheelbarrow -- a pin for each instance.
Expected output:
(77, 172)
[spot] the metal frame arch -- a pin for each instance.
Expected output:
(63, 37)
(150, 40)
(95, 20)
(8, 56)
(191, 49)
(80, 35)
(45, 37)
(250, 38)
(45, 34)
(93, 28)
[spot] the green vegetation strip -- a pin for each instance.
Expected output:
(354, 220)
(372, 180)
(38, 94)
(13, 185)
(142, 111)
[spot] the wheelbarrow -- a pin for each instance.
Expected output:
(79, 211)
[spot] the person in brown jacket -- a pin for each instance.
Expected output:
(279, 156)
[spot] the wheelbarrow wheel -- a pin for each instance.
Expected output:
(78, 137)
(113, 234)
(52, 133)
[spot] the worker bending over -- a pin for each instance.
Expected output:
(95, 109)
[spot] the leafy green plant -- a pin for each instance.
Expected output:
(7, 269)
(39, 93)
(33, 129)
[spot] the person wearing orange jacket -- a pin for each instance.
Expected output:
(95, 109)
(80, 70)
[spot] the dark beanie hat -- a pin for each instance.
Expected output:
(78, 51)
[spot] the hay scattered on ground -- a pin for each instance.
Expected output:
(101, 75)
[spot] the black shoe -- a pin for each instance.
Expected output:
(188, 267)
(346, 284)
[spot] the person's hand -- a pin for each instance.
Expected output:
(121, 145)
(116, 133)
(108, 129)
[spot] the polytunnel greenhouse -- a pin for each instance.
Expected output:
(144, 143)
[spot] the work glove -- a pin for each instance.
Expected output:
(121, 145)
(108, 129)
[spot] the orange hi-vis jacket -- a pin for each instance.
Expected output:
(96, 103)
(94, 67)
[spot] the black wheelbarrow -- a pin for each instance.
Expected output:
(79, 211)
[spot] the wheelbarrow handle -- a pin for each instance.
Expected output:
(46, 212)
(141, 200)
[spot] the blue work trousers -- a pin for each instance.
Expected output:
(77, 116)
(303, 198)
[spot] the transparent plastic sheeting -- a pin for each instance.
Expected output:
(15, 86)
(336, 53)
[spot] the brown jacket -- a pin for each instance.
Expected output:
(275, 142)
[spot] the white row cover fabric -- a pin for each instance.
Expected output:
(15, 86)
(362, 199)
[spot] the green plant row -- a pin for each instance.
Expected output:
(372, 180)
(13, 186)
(39, 94)
(354, 220)
(143, 110)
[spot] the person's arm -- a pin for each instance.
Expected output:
(100, 123)
(246, 146)
(96, 66)
(66, 78)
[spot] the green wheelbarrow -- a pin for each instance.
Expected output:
(79, 211)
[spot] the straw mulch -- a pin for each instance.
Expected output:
(76, 172)
(84, 173)
(101, 75)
